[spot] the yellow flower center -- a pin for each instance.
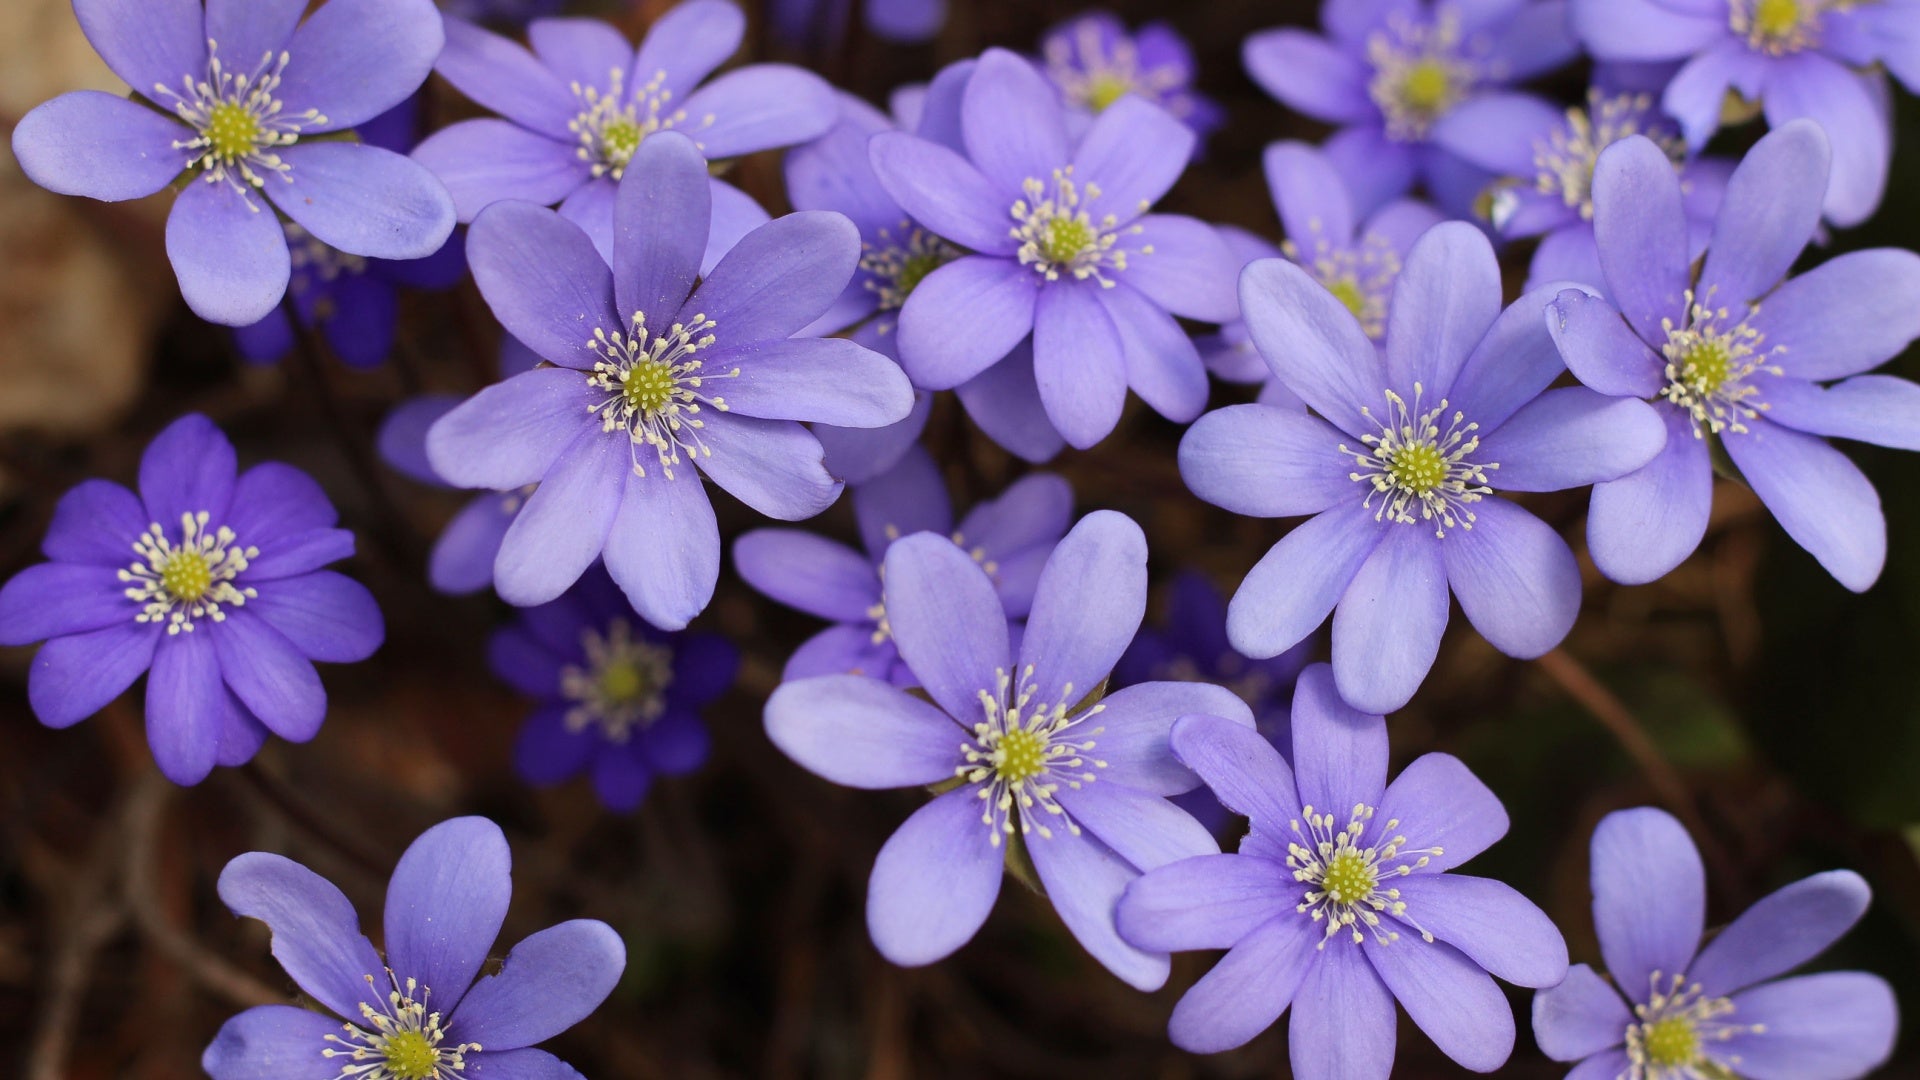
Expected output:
(1707, 366)
(1348, 291)
(1420, 465)
(1349, 878)
(187, 575)
(623, 683)
(621, 687)
(648, 386)
(1419, 468)
(1066, 238)
(1776, 18)
(619, 139)
(1427, 86)
(410, 1056)
(232, 130)
(1104, 89)
(1058, 235)
(1022, 755)
(1672, 1042)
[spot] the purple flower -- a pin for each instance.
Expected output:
(1793, 59)
(1095, 63)
(1398, 466)
(235, 96)
(418, 1011)
(212, 582)
(1063, 250)
(1740, 357)
(1340, 902)
(1676, 1009)
(1390, 70)
(1022, 751)
(651, 381)
(1010, 537)
(821, 23)
(579, 105)
(615, 695)
(502, 11)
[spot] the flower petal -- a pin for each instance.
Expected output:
(1308, 73)
(1649, 898)
(485, 161)
(1600, 349)
(1496, 927)
(270, 1042)
(1295, 585)
(1133, 153)
(445, 905)
(52, 600)
(1769, 213)
(1842, 103)
(944, 192)
(1136, 725)
(808, 572)
(1572, 437)
(1851, 313)
(501, 75)
(187, 469)
(661, 213)
(1879, 409)
(186, 706)
(1444, 301)
(1646, 523)
(1439, 803)
(774, 466)
(95, 522)
(1339, 753)
(1387, 628)
(1186, 267)
(860, 732)
(1823, 500)
(1205, 902)
(272, 501)
(269, 675)
(548, 752)
(230, 255)
(148, 43)
(689, 41)
(1516, 579)
(780, 277)
(326, 616)
(1091, 598)
(1642, 233)
(585, 51)
(514, 432)
(911, 497)
(355, 59)
(1079, 362)
(1241, 767)
(934, 881)
(1831, 1026)
(544, 280)
(1144, 829)
(964, 318)
(1311, 342)
(99, 145)
(822, 380)
(316, 935)
(1015, 128)
(759, 107)
(565, 524)
(76, 676)
(1004, 402)
(1512, 365)
(1580, 1017)
(365, 200)
(462, 559)
(1785, 929)
(1250, 987)
(1451, 999)
(1084, 878)
(551, 981)
(947, 621)
(1344, 1024)
(1312, 199)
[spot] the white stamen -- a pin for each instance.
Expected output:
(239, 122)
(1057, 236)
(655, 388)
(1710, 365)
(1343, 877)
(1023, 753)
(623, 685)
(177, 584)
(399, 1041)
(1414, 461)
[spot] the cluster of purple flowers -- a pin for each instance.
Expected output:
(994, 234)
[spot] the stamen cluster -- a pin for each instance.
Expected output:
(177, 584)
(1057, 236)
(1360, 277)
(1023, 753)
(1343, 878)
(623, 685)
(654, 387)
(238, 121)
(1709, 363)
(612, 126)
(1420, 72)
(1676, 1024)
(401, 1040)
(1565, 160)
(897, 266)
(1101, 78)
(1781, 27)
(1415, 461)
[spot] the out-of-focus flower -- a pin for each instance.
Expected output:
(1676, 1008)
(1095, 62)
(615, 696)
(1063, 249)
(1340, 901)
(818, 23)
(235, 95)
(576, 109)
(1010, 537)
(212, 582)
(1741, 356)
(655, 383)
(508, 12)
(416, 1012)
(1034, 758)
(1399, 466)
(1388, 72)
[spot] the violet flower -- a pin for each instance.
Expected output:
(1024, 754)
(1063, 250)
(1388, 71)
(1674, 1008)
(617, 698)
(1095, 62)
(1791, 59)
(1740, 357)
(235, 95)
(1340, 901)
(822, 23)
(509, 12)
(651, 382)
(1010, 537)
(421, 1010)
(1398, 466)
(576, 108)
(212, 583)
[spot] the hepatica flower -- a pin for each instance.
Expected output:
(616, 698)
(1400, 466)
(211, 585)
(1024, 751)
(1095, 62)
(1793, 59)
(1340, 901)
(654, 387)
(1677, 1009)
(822, 23)
(577, 107)
(1740, 357)
(1062, 249)
(1009, 537)
(1388, 72)
(237, 97)
(418, 1012)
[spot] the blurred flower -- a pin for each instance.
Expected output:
(1340, 902)
(1065, 251)
(615, 695)
(1677, 1009)
(1095, 63)
(1010, 537)
(1024, 757)
(651, 381)
(583, 101)
(1387, 73)
(817, 23)
(214, 583)
(1794, 59)
(1740, 357)
(248, 87)
(1398, 466)
(417, 1013)
(511, 12)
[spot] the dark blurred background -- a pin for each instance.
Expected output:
(1747, 691)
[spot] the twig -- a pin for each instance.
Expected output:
(89, 916)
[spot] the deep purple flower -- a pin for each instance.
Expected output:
(1010, 537)
(1388, 71)
(1095, 62)
(1399, 465)
(651, 382)
(616, 696)
(1792, 59)
(212, 582)
(1677, 1009)
(1340, 902)
(1740, 357)
(1063, 250)
(1030, 758)
(581, 103)
(417, 1010)
(237, 94)
(821, 23)
(512, 12)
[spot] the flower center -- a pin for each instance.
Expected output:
(237, 121)
(1094, 78)
(897, 267)
(399, 1041)
(1413, 460)
(193, 579)
(1360, 277)
(1057, 236)
(1420, 72)
(1565, 160)
(1675, 1027)
(1023, 753)
(1343, 876)
(1779, 27)
(655, 388)
(610, 127)
(1709, 365)
(622, 686)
